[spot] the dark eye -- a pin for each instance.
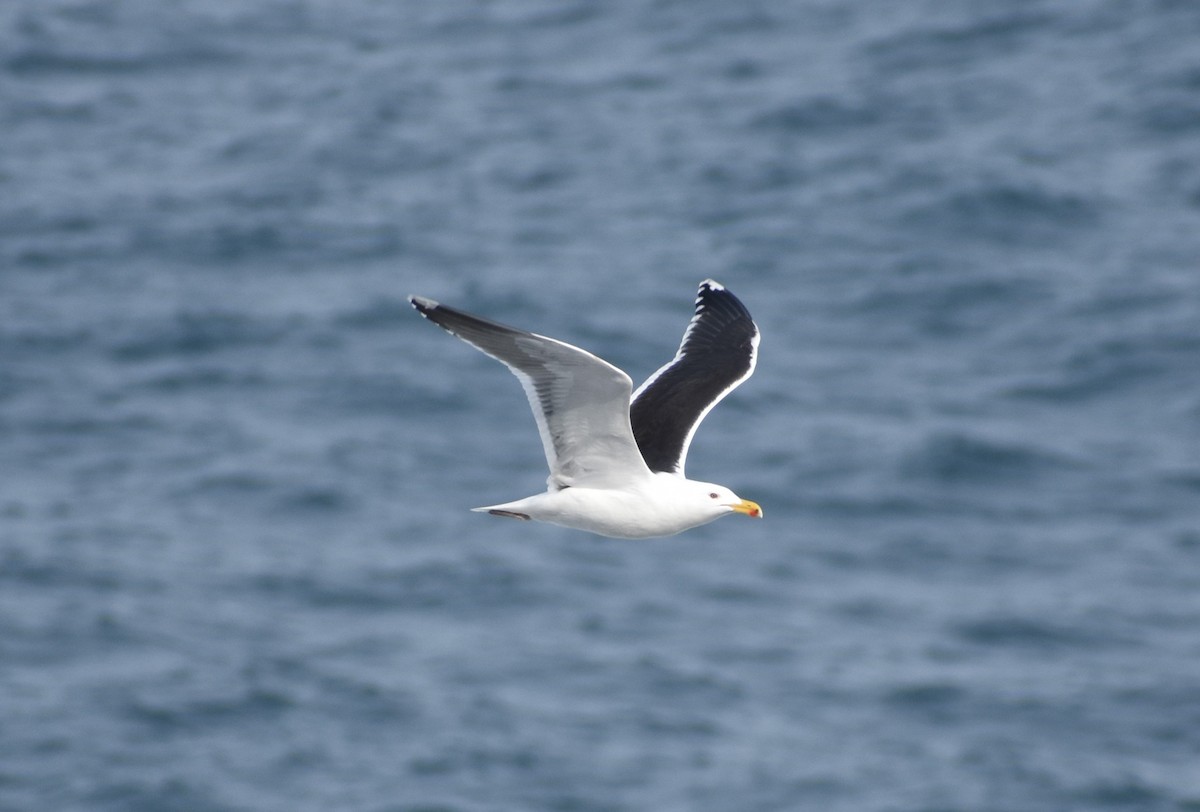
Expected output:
(713, 496)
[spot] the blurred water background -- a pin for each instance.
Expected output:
(237, 570)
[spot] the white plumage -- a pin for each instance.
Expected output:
(616, 461)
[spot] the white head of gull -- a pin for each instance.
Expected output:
(616, 459)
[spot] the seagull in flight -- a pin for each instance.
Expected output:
(617, 456)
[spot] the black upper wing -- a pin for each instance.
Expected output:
(718, 352)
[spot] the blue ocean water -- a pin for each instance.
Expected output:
(237, 569)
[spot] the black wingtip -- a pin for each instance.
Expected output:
(422, 305)
(714, 295)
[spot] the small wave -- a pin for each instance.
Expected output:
(1115, 365)
(92, 425)
(191, 713)
(1172, 106)
(820, 114)
(276, 495)
(946, 305)
(196, 334)
(956, 457)
(44, 338)
(929, 697)
(202, 379)
(1007, 213)
(36, 63)
(1125, 793)
(230, 482)
(385, 312)
(981, 38)
(875, 504)
(457, 586)
(314, 499)
(1006, 631)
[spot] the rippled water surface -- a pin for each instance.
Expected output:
(237, 569)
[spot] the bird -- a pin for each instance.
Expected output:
(616, 456)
